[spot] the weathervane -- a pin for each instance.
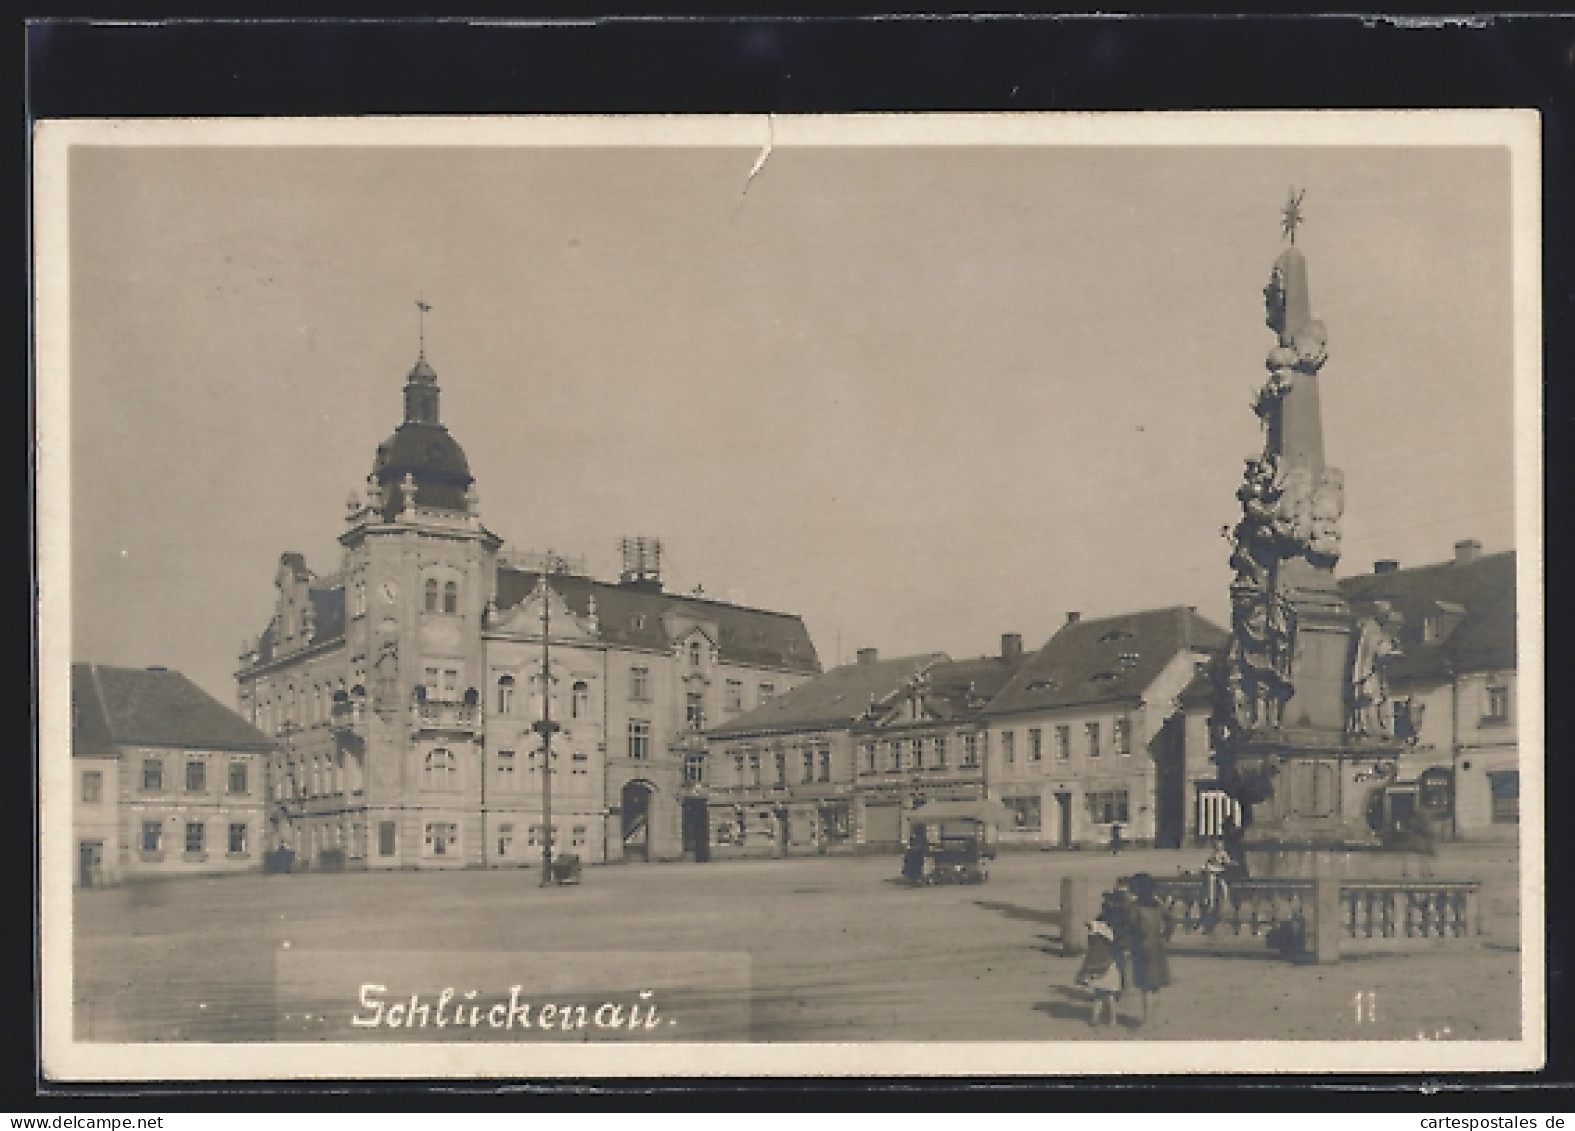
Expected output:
(423, 307)
(1291, 214)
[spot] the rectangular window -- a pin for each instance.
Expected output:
(869, 757)
(1497, 703)
(196, 777)
(92, 787)
(768, 692)
(1036, 744)
(940, 750)
(694, 768)
(735, 695)
(385, 838)
(1108, 807)
(639, 683)
(809, 767)
(694, 711)
(441, 838)
(1504, 787)
(825, 764)
(152, 835)
(639, 739)
(894, 758)
(1121, 737)
(505, 839)
(754, 769)
(579, 837)
(581, 762)
(738, 769)
(450, 683)
(1092, 730)
(1026, 812)
(506, 763)
(918, 753)
(1063, 743)
(237, 777)
(781, 767)
(153, 774)
(238, 839)
(1008, 747)
(431, 682)
(194, 837)
(970, 750)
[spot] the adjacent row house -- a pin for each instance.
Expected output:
(166, 779)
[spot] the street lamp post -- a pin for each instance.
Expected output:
(545, 726)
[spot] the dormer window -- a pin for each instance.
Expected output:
(1042, 685)
(1106, 677)
(1114, 635)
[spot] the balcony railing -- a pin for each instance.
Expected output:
(437, 714)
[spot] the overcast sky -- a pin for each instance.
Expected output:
(920, 396)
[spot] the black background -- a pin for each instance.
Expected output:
(560, 61)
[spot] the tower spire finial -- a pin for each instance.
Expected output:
(1291, 215)
(423, 306)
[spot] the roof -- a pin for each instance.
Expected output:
(1473, 603)
(433, 457)
(151, 707)
(839, 698)
(328, 622)
(1106, 660)
(642, 616)
(961, 688)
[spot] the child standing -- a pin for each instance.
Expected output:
(1101, 971)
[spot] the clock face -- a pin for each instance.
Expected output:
(389, 590)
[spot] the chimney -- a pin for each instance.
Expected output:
(1385, 565)
(1011, 646)
(1073, 618)
(1467, 550)
(868, 655)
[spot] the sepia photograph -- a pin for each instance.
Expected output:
(780, 595)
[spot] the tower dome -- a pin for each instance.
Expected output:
(422, 448)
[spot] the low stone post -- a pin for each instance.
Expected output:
(1079, 904)
(1328, 922)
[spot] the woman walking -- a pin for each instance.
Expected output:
(1149, 926)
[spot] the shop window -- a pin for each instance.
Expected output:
(1026, 812)
(1108, 807)
(1504, 789)
(442, 838)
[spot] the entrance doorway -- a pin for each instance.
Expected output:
(697, 828)
(636, 808)
(1063, 809)
(90, 861)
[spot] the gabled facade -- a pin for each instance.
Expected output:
(1093, 733)
(166, 779)
(402, 687)
(1452, 690)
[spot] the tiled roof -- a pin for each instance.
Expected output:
(154, 707)
(639, 617)
(956, 689)
(328, 622)
(837, 699)
(90, 737)
(1473, 602)
(1106, 660)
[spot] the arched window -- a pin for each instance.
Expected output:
(451, 597)
(440, 768)
(505, 694)
(432, 594)
(580, 702)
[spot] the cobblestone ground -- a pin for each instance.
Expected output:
(836, 950)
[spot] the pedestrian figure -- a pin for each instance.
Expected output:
(1149, 927)
(1101, 972)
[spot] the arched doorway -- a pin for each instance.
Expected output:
(635, 802)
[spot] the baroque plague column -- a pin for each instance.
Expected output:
(1303, 731)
